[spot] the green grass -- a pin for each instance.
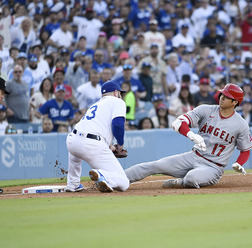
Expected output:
(204, 221)
(221, 220)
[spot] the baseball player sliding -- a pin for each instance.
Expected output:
(91, 141)
(2, 94)
(221, 129)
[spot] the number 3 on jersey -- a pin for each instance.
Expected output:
(92, 115)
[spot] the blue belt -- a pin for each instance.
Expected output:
(89, 135)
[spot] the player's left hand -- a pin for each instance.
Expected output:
(239, 168)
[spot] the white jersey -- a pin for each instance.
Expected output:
(87, 95)
(98, 118)
(221, 135)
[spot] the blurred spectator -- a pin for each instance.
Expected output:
(47, 125)
(2, 74)
(145, 123)
(89, 27)
(246, 26)
(199, 17)
(5, 25)
(26, 72)
(3, 119)
(37, 74)
(102, 44)
(186, 64)
(53, 24)
(116, 36)
(58, 109)
(153, 36)
(173, 76)
(98, 63)
(4, 54)
(138, 48)
(81, 46)
(59, 77)
(140, 15)
(13, 54)
(63, 128)
(44, 94)
(130, 101)
(75, 75)
(62, 37)
(44, 37)
(120, 62)
(183, 38)
(203, 96)
(146, 79)
(105, 75)
(42, 63)
(158, 70)
(23, 37)
(163, 13)
(10, 129)
(182, 104)
(168, 34)
(136, 85)
(156, 100)
(77, 116)
(90, 92)
(212, 38)
(18, 100)
(246, 111)
(161, 118)
(247, 88)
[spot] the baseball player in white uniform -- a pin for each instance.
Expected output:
(221, 129)
(3, 91)
(91, 141)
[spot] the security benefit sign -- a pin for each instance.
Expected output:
(27, 156)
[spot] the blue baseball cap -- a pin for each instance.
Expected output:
(157, 97)
(154, 45)
(22, 55)
(60, 87)
(33, 58)
(146, 64)
(111, 86)
(2, 107)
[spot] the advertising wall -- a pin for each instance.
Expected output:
(27, 156)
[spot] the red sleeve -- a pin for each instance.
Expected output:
(184, 128)
(243, 157)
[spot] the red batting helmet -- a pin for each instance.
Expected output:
(232, 91)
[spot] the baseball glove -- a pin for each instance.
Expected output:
(120, 153)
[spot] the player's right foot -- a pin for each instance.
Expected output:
(172, 183)
(100, 181)
(1, 191)
(77, 189)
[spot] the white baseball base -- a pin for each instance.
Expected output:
(44, 189)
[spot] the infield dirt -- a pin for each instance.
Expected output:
(230, 183)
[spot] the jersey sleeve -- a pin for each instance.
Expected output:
(197, 114)
(244, 139)
(44, 109)
(119, 109)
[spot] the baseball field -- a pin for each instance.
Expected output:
(144, 216)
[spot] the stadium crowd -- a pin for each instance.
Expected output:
(169, 56)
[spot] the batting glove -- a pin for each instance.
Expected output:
(198, 140)
(239, 168)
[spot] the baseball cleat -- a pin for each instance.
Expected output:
(77, 189)
(1, 191)
(100, 181)
(172, 183)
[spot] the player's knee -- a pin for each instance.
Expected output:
(190, 181)
(124, 185)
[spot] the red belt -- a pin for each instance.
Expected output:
(197, 153)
